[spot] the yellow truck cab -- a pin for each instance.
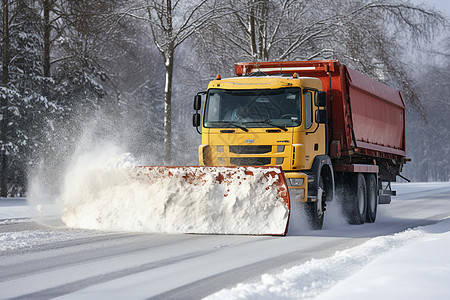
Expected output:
(270, 121)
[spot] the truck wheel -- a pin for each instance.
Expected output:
(372, 198)
(355, 199)
(315, 210)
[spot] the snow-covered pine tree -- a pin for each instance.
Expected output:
(28, 112)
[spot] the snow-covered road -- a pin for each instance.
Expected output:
(44, 261)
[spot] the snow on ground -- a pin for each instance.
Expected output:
(419, 270)
(17, 211)
(14, 208)
(28, 239)
(413, 264)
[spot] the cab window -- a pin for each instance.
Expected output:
(308, 109)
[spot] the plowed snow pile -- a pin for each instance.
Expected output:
(105, 192)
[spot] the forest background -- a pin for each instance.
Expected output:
(78, 74)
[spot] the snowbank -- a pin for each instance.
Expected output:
(413, 264)
(107, 191)
(420, 270)
(14, 208)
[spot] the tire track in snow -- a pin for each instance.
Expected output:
(252, 272)
(53, 255)
(86, 282)
(114, 259)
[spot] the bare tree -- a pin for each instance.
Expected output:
(267, 29)
(376, 37)
(171, 24)
(427, 141)
(372, 36)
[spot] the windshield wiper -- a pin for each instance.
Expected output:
(268, 122)
(232, 123)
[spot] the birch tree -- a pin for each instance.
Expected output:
(171, 23)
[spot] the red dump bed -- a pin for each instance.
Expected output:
(363, 111)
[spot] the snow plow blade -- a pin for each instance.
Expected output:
(205, 200)
(218, 200)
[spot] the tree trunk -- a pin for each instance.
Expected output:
(166, 39)
(4, 102)
(168, 107)
(47, 30)
(252, 29)
(168, 63)
(263, 53)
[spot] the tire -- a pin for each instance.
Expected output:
(315, 210)
(355, 199)
(372, 198)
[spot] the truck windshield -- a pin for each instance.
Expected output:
(253, 108)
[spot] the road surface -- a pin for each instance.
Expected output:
(44, 259)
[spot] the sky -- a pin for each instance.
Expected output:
(441, 5)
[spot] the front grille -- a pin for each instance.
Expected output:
(250, 161)
(253, 149)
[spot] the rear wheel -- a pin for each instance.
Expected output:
(315, 210)
(355, 199)
(372, 198)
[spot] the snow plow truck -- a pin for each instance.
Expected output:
(300, 131)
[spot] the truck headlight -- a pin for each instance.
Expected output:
(296, 181)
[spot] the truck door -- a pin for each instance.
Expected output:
(314, 134)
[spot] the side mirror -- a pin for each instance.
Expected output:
(321, 116)
(197, 102)
(196, 120)
(321, 99)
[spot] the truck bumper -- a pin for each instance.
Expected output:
(298, 186)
